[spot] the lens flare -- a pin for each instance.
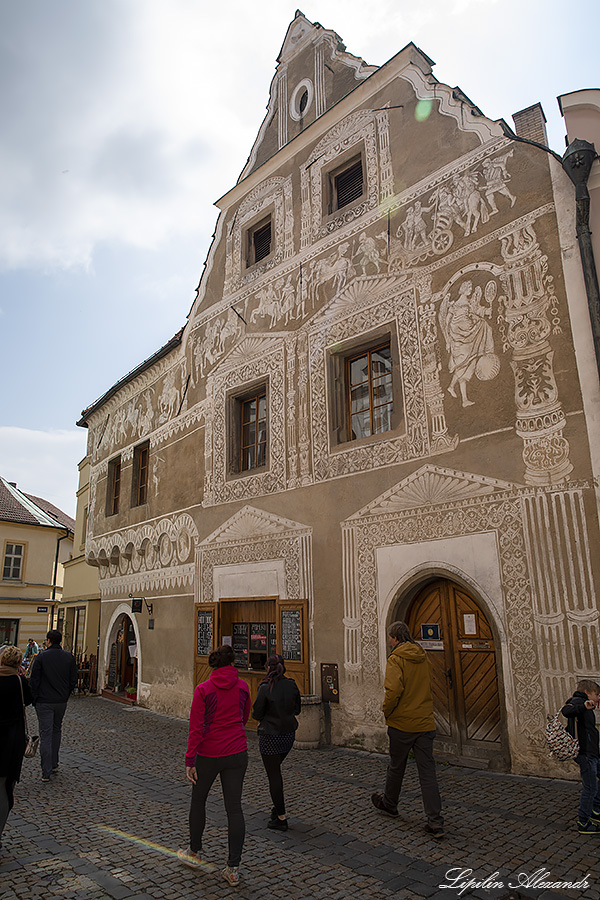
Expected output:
(423, 110)
(207, 867)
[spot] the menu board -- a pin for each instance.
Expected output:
(272, 648)
(291, 634)
(112, 667)
(258, 637)
(240, 644)
(205, 632)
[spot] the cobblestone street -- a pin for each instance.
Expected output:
(106, 827)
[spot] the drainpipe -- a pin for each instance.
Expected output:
(58, 540)
(577, 163)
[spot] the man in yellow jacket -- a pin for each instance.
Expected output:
(408, 711)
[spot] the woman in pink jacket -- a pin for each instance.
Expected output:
(217, 746)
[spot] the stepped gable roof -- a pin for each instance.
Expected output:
(16, 506)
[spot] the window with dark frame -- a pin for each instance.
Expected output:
(369, 392)
(140, 474)
(113, 487)
(347, 185)
(13, 562)
(253, 431)
(259, 242)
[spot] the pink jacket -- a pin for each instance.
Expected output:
(220, 709)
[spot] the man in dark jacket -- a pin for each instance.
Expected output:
(53, 678)
(580, 708)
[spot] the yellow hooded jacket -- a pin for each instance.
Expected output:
(408, 704)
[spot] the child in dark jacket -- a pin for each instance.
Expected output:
(580, 709)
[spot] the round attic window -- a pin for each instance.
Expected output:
(301, 99)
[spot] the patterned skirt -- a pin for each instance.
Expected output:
(270, 744)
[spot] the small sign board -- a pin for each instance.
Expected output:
(470, 623)
(42, 609)
(204, 633)
(112, 667)
(430, 632)
(136, 604)
(240, 644)
(291, 634)
(431, 645)
(330, 687)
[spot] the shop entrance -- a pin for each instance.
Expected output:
(448, 622)
(255, 627)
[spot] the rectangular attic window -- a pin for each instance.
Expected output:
(259, 242)
(347, 185)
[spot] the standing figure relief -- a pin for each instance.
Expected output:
(469, 338)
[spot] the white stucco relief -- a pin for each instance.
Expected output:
(269, 554)
(496, 537)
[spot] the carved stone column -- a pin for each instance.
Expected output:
(540, 418)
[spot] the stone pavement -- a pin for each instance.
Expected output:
(106, 826)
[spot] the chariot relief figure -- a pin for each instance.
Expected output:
(367, 253)
(413, 231)
(496, 178)
(469, 339)
(470, 201)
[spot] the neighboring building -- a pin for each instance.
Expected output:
(36, 539)
(384, 405)
(79, 611)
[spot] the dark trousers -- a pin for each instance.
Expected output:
(50, 717)
(421, 744)
(272, 763)
(231, 769)
(590, 786)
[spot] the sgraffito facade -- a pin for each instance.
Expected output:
(383, 405)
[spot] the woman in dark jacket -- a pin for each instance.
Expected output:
(276, 706)
(12, 727)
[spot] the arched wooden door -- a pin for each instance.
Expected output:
(457, 636)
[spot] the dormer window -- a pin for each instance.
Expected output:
(259, 242)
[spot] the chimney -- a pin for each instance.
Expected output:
(530, 123)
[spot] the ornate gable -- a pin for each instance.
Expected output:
(249, 524)
(432, 486)
(313, 72)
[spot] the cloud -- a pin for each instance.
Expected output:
(43, 463)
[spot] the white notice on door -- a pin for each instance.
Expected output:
(470, 623)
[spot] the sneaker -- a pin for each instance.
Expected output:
(45, 778)
(191, 858)
(55, 770)
(231, 874)
(595, 816)
(278, 824)
(436, 831)
(588, 827)
(377, 801)
(273, 815)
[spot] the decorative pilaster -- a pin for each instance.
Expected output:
(386, 172)
(540, 418)
(282, 113)
(440, 440)
(320, 93)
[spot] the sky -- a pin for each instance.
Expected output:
(123, 121)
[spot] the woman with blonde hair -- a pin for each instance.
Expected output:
(14, 694)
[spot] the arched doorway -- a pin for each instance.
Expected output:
(122, 662)
(453, 628)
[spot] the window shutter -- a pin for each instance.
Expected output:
(262, 242)
(349, 184)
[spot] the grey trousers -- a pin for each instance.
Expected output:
(50, 716)
(421, 744)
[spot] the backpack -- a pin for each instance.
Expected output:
(561, 744)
